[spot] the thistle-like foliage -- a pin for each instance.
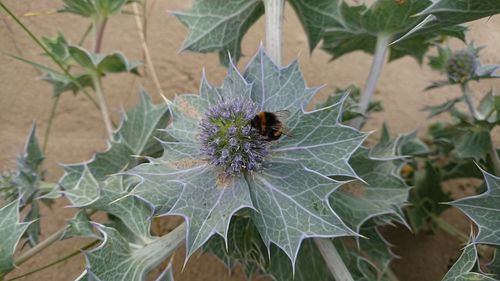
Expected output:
(220, 165)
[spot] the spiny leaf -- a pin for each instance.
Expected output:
(473, 143)
(484, 210)
(25, 184)
(351, 108)
(462, 269)
(219, 26)
(446, 13)
(360, 268)
(375, 248)
(288, 212)
(110, 196)
(273, 86)
(195, 193)
(358, 27)
(383, 192)
(317, 16)
(79, 226)
(135, 137)
(116, 259)
(132, 212)
(318, 141)
(27, 179)
(140, 126)
(11, 231)
(436, 110)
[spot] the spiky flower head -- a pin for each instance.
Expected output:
(462, 65)
(228, 139)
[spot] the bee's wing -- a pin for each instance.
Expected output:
(283, 129)
(282, 114)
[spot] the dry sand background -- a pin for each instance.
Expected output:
(78, 131)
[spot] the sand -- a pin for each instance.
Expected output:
(78, 131)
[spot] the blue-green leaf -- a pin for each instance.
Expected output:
(484, 211)
(445, 13)
(272, 86)
(117, 260)
(353, 28)
(462, 269)
(136, 136)
(219, 26)
(11, 231)
(79, 226)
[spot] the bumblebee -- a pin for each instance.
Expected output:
(269, 124)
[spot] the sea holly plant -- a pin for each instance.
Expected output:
(221, 165)
(303, 199)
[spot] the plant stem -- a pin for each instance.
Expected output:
(55, 102)
(494, 158)
(470, 101)
(168, 243)
(39, 247)
(149, 61)
(333, 259)
(85, 34)
(45, 243)
(46, 51)
(66, 257)
(103, 105)
(274, 32)
(274, 27)
(379, 59)
(99, 27)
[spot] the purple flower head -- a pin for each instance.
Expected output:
(228, 140)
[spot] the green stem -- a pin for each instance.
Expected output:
(44, 244)
(448, 228)
(145, 48)
(46, 51)
(494, 158)
(85, 35)
(55, 102)
(66, 257)
(274, 28)
(333, 259)
(379, 60)
(40, 246)
(470, 101)
(103, 105)
(99, 27)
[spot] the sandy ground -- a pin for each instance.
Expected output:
(78, 131)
